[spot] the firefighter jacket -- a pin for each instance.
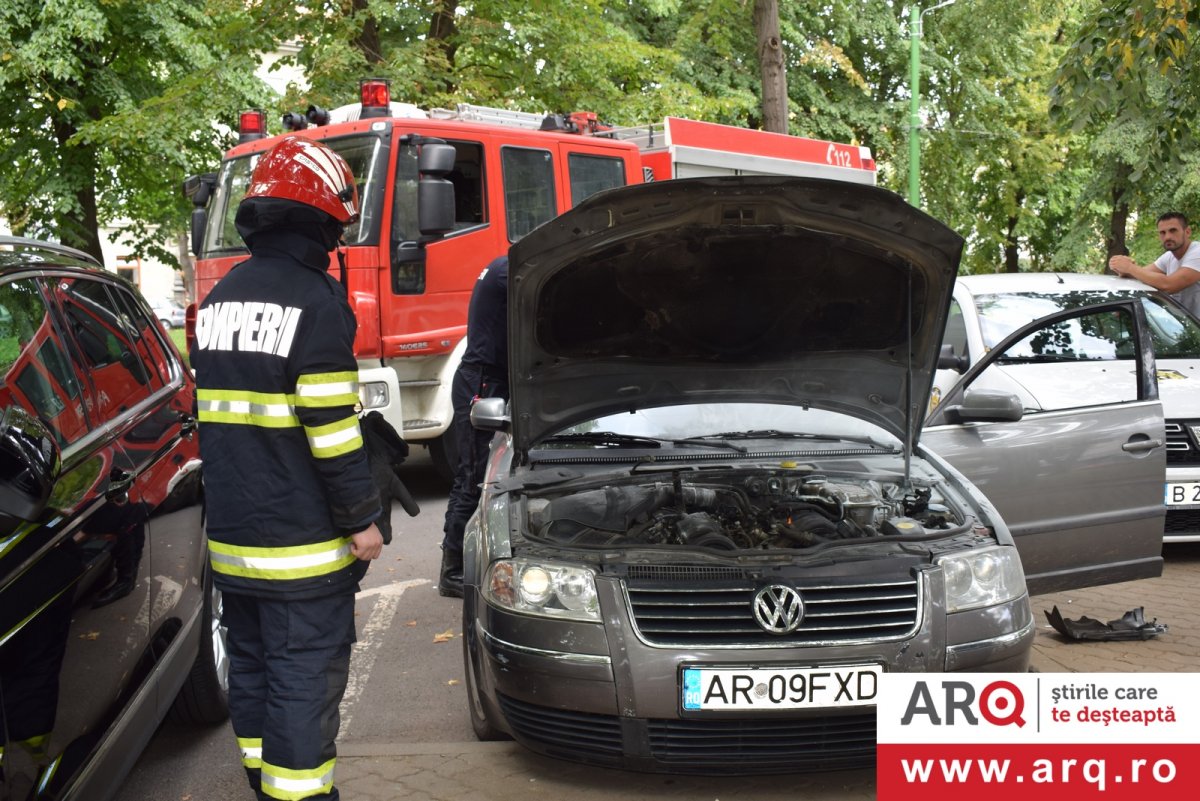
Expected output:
(286, 475)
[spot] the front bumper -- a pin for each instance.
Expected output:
(1182, 521)
(600, 693)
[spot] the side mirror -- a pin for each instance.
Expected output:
(436, 159)
(986, 406)
(198, 189)
(199, 223)
(948, 361)
(435, 193)
(491, 414)
(29, 465)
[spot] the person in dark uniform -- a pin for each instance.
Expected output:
(482, 373)
(291, 504)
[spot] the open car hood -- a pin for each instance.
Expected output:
(782, 290)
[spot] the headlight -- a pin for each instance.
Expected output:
(982, 577)
(373, 395)
(535, 587)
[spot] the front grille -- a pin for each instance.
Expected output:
(698, 745)
(720, 612)
(823, 743)
(1181, 444)
(577, 735)
(1183, 521)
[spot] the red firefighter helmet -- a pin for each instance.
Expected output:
(307, 172)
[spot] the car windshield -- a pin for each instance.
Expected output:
(1175, 334)
(367, 157)
(737, 422)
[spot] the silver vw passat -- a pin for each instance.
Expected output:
(708, 526)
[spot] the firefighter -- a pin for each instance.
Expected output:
(291, 506)
(482, 373)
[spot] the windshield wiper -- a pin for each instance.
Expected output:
(606, 438)
(768, 433)
(772, 433)
(708, 441)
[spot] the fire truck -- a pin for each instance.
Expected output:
(443, 192)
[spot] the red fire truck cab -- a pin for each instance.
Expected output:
(429, 226)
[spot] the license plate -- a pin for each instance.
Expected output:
(1184, 493)
(718, 689)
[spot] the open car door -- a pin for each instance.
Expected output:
(1061, 428)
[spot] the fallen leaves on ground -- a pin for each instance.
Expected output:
(445, 636)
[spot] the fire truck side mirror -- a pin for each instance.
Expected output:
(199, 223)
(436, 159)
(435, 193)
(198, 189)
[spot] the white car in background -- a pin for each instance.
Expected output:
(169, 312)
(987, 308)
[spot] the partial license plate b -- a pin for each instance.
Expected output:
(759, 688)
(1183, 493)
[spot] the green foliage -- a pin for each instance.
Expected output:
(1128, 84)
(112, 102)
(1038, 116)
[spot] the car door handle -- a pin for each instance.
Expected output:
(119, 482)
(187, 424)
(1141, 445)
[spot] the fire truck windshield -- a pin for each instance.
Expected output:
(367, 157)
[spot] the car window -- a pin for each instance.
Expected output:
(528, 189)
(1002, 313)
(111, 338)
(1174, 333)
(956, 330)
(35, 371)
(145, 335)
(1076, 362)
(591, 174)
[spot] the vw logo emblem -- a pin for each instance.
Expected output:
(778, 609)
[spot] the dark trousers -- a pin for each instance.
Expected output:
(471, 381)
(288, 666)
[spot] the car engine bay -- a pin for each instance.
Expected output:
(730, 512)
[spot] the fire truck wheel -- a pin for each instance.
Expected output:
(443, 451)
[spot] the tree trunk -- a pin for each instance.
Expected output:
(443, 33)
(186, 265)
(1114, 243)
(367, 40)
(79, 228)
(1012, 244)
(771, 66)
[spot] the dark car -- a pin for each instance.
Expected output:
(712, 519)
(108, 618)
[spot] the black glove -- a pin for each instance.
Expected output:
(386, 451)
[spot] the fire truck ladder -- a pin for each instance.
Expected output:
(469, 112)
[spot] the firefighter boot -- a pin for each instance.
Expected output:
(450, 583)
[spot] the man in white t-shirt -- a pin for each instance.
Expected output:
(1177, 271)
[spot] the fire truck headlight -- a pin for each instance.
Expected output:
(373, 395)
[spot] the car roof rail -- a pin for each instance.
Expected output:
(25, 243)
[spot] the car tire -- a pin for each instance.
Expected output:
(165, 323)
(443, 451)
(204, 697)
(484, 730)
